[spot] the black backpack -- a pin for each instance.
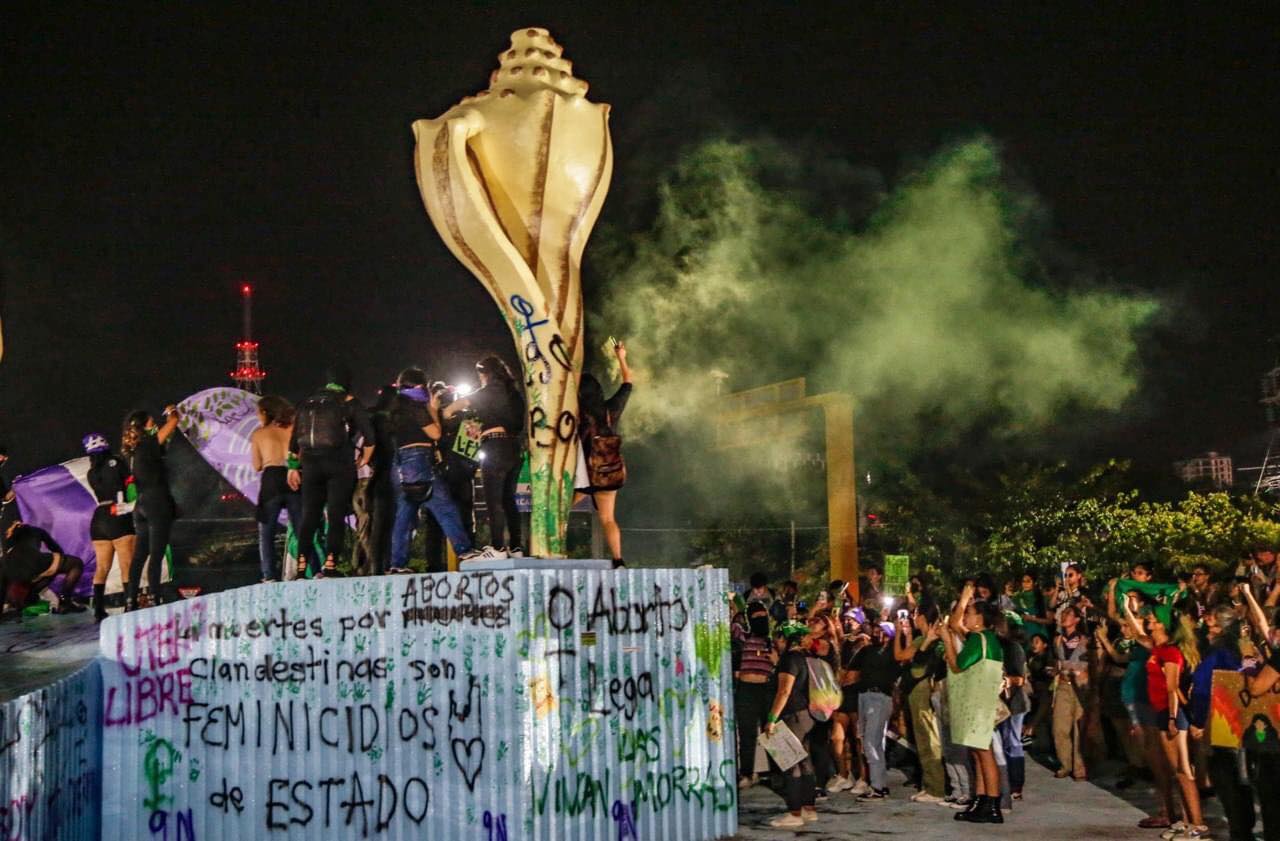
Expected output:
(322, 422)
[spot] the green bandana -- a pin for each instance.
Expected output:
(793, 630)
(334, 387)
(1151, 589)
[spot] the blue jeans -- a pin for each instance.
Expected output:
(874, 709)
(413, 465)
(271, 509)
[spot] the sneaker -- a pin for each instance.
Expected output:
(874, 794)
(809, 815)
(958, 804)
(822, 794)
(515, 553)
(787, 821)
(926, 797)
(268, 581)
(1174, 829)
(839, 784)
(859, 788)
(488, 553)
(1192, 833)
(1154, 822)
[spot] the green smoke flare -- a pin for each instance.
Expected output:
(937, 305)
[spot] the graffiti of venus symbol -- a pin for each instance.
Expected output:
(513, 179)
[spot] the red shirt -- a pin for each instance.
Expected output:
(1157, 686)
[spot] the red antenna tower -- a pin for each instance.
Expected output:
(247, 374)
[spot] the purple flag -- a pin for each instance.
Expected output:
(58, 500)
(219, 422)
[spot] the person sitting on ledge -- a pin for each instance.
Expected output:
(25, 571)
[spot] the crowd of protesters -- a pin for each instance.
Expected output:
(967, 683)
(320, 461)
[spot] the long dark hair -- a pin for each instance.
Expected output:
(495, 369)
(591, 398)
(135, 425)
(277, 410)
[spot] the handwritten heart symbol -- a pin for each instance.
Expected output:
(710, 642)
(470, 766)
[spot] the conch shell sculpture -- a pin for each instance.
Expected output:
(513, 179)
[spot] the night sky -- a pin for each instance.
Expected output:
(156, 157)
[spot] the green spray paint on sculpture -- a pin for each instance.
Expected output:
(513, 180)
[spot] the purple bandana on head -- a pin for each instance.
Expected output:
(417, 394)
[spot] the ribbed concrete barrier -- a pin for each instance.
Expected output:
(51, 761)
(565, 704)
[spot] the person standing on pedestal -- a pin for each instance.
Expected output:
(323, 464)
(601, 471)
(499, 406)
(111, 532)
(143, 442)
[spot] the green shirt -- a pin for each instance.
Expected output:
(971, 652)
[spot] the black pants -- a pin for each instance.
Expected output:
(69, 566)
(328, 481)
(800, 789)
(751, 702)
(1264, 771)
(382, 510)
(153, 522)
(1232, 792)
(501, 469)
(459, 478)
(824, 761)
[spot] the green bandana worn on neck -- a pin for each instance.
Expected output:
(334, 387)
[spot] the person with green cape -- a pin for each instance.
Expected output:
(977, 673)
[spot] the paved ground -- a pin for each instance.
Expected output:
(1054, 810)
(42, 649)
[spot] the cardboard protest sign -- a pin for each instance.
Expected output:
(1238, 719)
(783, 746)
(467, 442)
(897, 572)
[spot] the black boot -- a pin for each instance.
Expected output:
(975, 803)
(99, 602)
(988, 812)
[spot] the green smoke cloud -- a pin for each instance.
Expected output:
(938, 304)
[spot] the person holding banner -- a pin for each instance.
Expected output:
(791, 707)
(143, 443)
(111, 530)
(1173, 652)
